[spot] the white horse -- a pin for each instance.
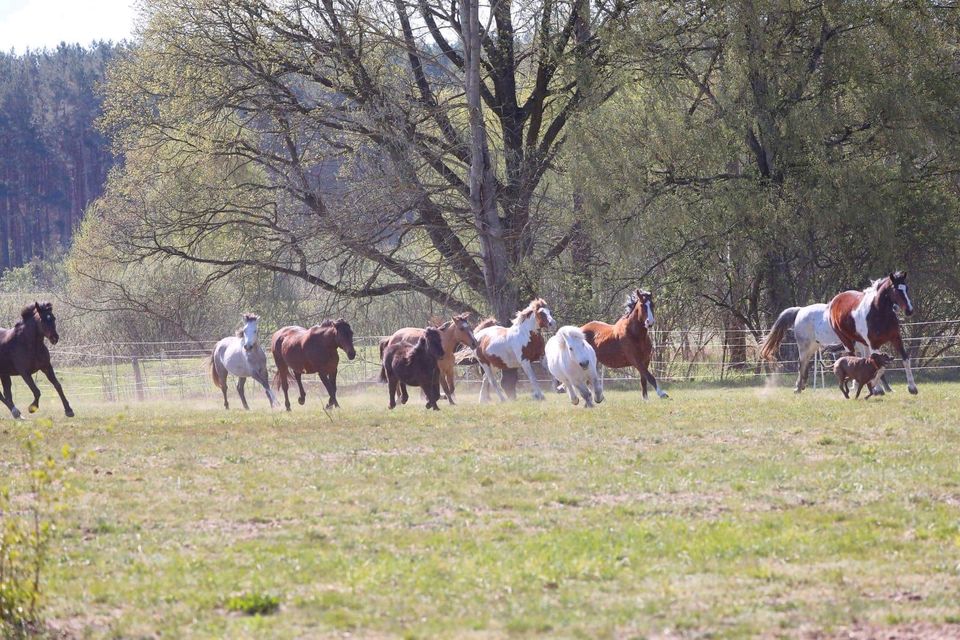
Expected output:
(503, 347)
(573, 362)
(811, 326)
(242, 356)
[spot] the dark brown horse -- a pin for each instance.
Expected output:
(453, 333)
(869, 318)
(627, 343)
(416, 366)
(23, 353)
(312, 350)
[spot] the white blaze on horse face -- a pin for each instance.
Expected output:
(903, 290)
(550, 321)
(250, 335)
(650, 320)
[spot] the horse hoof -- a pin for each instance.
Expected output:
(912, 389)
(599, 399)
(16, 413)
(664, 396)
(575, 401)
(32, 408)
(301, 400)
(69, 413)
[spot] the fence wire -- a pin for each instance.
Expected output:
(130, 371)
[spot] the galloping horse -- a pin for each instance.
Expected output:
(627, 343)
(869, 318)
(811, 327)
(453, 333)
(242, 356)
(23, 353)
(312, 350)
(511, 347)
(572, 361)
(415, 365)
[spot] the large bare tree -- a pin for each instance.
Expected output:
(365, 147)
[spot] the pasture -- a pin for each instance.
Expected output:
(719, 512)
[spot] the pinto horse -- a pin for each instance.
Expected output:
(868, 319)
(453, 333)
(23, 353)
(627, 343)
(312, 350)
(812, 330)
(511, 347)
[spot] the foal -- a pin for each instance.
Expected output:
(23, 353)
(414, 365)
(865, 371)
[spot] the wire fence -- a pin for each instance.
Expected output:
(122, 372)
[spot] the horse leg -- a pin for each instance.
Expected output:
(898, 346)
(584, 391)
(446, 383)
(285, 385)
(52, 377)
(303, 394)
(8, 396)
(656, 385)
(492, 380)
(806, 353)
(859, 389)
(392, 383)
(404, 394)
(27, 378)
(332, 388)
(243, 398)
(528, 369)
(568, 385)
(261, 377)
(643, 384)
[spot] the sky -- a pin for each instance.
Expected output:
(36, 24)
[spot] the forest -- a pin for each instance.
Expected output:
(392, 161)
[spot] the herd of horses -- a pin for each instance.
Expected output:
(858, 321)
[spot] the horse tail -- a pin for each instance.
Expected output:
(784, 321)
(383, 371)
(212, 363)
(280, 377)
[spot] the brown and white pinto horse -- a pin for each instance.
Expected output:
(453, 332)
(869, 318)
(312, 350)
(516, 346)
(627, 343)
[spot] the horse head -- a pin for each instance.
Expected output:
(641, 302)
(42, 314)
(898, 292)
(345, 338)
(577, 345)
(248, 332)
(542, 311)
(434, 342)
(462, 331)
(880, 359)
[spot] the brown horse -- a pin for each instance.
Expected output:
(869, 318)
(312, 350)
(627, 343)
(23, 353)
(453, 333)
(415, 365)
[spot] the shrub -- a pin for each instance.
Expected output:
(29, 506)
(254, 604)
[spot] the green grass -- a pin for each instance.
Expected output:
(730, 513)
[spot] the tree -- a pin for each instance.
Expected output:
(366, 148)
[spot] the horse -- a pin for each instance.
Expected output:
(415, 365)
(453, 333)
(812, 329)
(312, 350)
(512, 347)
(572, 361)
(627, 342)
(868, 319)
(23, 353)
(241, 355)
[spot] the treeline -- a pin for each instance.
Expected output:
(53, 159)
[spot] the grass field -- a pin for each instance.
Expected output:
(717, 513)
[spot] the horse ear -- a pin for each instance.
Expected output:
(36, 305)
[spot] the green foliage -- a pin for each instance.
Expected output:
(254, 603)
(30, 504)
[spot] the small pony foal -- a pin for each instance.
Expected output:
(863, 370)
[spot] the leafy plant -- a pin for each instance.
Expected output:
(254, 604)
(29, 506)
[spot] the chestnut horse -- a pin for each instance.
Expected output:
(312, 350)
(23, 353)
(627, 343)
(453, 333)
(415, 365)
(869, 318)
(511, 347)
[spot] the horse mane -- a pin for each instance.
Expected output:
(486, 322)
(327, 323)
(247, 317)
(28, 311)
(529, 310)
